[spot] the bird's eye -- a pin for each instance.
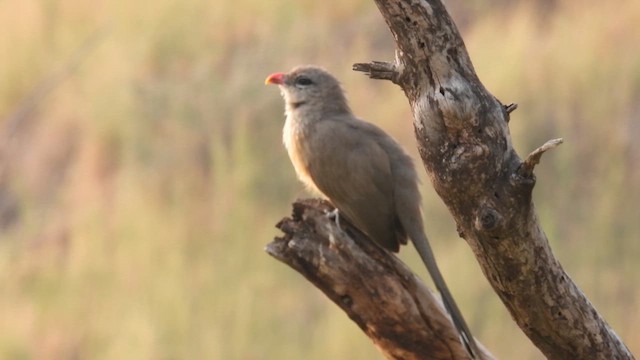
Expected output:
(303, 80)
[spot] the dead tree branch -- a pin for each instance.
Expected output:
(526, 170)
(376, 290)
(465, 145)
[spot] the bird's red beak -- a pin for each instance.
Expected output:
(277, 78)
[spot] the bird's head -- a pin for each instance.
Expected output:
(310, 89)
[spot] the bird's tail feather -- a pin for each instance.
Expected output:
(424, 249)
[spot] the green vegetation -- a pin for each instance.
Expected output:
(136, 201)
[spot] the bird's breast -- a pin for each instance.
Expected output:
(293, 137)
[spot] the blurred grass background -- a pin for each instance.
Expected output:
(136, 200)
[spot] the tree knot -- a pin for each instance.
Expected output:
(487, 219)
(346, 300)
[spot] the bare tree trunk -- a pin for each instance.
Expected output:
(465, 145)
(464, 141)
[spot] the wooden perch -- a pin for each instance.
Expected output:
(378, 292)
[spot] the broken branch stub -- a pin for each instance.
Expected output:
(378, 292)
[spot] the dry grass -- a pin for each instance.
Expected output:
(137, 199)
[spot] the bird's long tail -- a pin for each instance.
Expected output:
(424, 249)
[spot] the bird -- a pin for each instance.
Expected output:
(359, 168)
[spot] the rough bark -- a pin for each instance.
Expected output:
(376, 290)
(465, 145)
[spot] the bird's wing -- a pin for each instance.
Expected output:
(355, 174)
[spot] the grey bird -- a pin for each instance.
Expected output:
(359, 168)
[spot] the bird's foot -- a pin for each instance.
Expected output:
(335, 216)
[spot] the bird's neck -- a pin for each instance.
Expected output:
(310, 111)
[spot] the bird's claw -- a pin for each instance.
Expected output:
(335, 216)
